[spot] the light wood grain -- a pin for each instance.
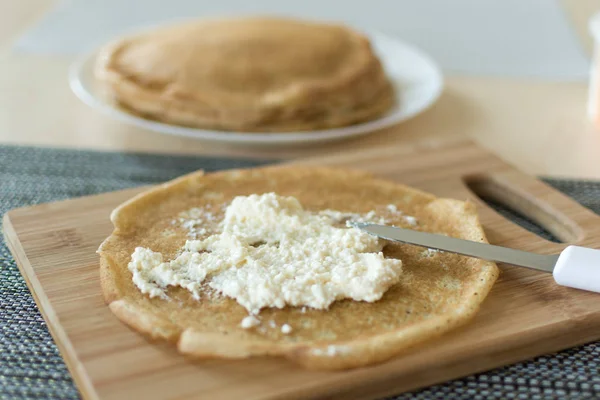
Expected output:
(525, 315)
(539, 126)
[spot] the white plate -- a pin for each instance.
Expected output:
(418, 80)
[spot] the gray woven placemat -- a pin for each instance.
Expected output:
(31, 366)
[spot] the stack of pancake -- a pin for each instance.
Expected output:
(248, 74)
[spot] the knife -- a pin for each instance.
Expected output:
(576, 267)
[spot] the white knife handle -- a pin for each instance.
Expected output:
(578, 267)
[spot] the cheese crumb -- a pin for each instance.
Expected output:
(250, 322)
(270, 252)
(410, 220)
(340, 217)
(331, 351)
(429, 253)
(286, 329)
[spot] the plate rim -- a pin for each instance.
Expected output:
(76, 77)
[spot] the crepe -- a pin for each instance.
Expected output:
(247, 74)
(437, 291)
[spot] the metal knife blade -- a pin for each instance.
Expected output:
(485, 251)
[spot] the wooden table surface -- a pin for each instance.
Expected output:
(541, 127)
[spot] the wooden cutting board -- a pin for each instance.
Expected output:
(525, 315)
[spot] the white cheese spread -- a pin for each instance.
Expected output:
(270, 252)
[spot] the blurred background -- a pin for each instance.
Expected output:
(533, 38)
(515, 74)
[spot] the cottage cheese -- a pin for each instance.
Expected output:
(270, 252)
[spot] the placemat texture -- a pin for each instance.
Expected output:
(32, 368)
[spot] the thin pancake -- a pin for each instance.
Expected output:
(437, 291)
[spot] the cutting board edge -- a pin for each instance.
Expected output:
(61, 339)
